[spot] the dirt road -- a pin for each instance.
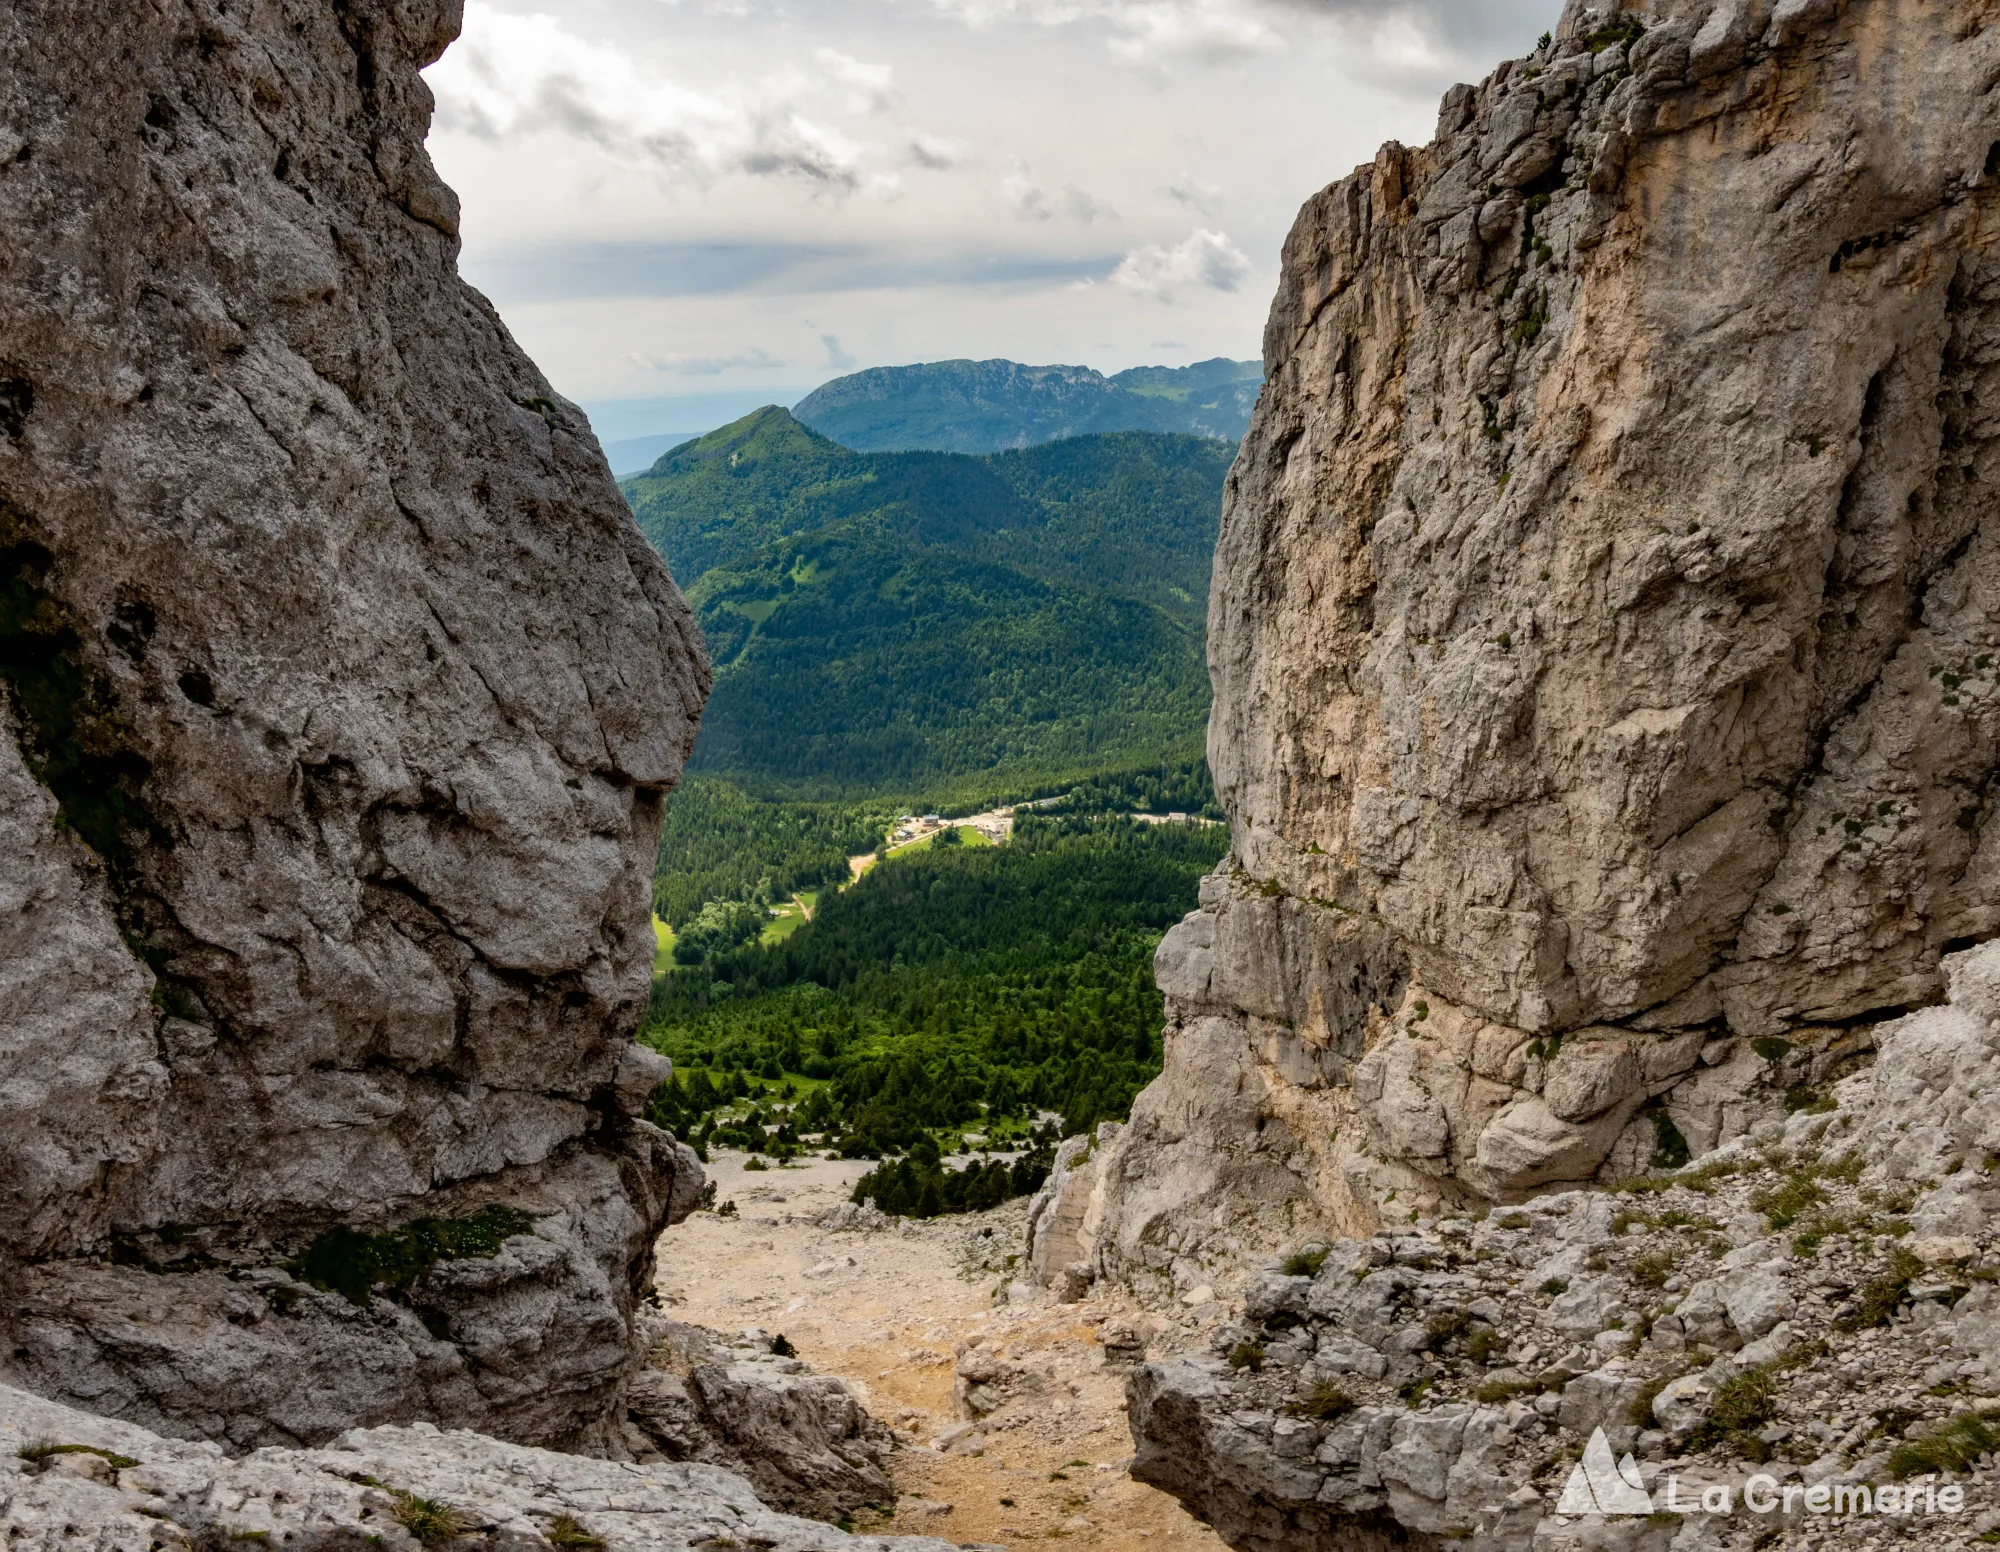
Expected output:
(889, 1311)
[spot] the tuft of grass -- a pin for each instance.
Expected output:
(44, 1449)
(1639, 1411)
(1880, 1297)
(1790, 1200)
(1556, 1285)
(1447, 1325)
(1304, 1263)
(1483, 1343)
(431, 1520)
(1652, 1271)
(1742, 1405)
(1414, 1391)
(1515, 1220)
(1247, 1355)
(1325, 1402)
(1956, 1446)
(1499, 1392)
(566, 1530)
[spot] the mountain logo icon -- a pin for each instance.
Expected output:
(1602, 1485)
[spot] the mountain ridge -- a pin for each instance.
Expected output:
(914, 618)
(967, 406)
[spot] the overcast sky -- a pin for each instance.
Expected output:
(682, 206)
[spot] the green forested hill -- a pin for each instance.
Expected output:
(985, 406)
(925, 623)
(954, 987)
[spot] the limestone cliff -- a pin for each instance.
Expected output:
(341, 697)
(1604, 632)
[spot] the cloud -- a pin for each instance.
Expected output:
(1421, 41)
(1079, 206)
(1211, 30)
(512, 76)
(935, 152)
(873, 86)
(836, 356)
(681, 365)
(571, 271)
(1205, 261)
(1192, 192)
(1031, 202)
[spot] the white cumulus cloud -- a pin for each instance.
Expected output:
(1140, 29)
(1205, 261)
(510, 76)
(678, 364)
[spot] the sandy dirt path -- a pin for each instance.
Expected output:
(889, 1311)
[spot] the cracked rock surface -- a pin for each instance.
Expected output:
(1819, 1301)
(339, 695)
(1604, 636)
(128, 1490)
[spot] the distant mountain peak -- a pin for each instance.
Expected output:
(966, 406)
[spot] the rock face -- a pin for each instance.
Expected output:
(127, 1490)
(341, 695)
(1816, 1301)
(802, 1440)
(1603, 630)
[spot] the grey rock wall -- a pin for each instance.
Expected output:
(339, 695)
(1815, 1302)
(1604, 631)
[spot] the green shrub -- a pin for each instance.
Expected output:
(1247, 1354)
(1305, 1263)
(352, 1264)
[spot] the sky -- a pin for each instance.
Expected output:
(687, 208)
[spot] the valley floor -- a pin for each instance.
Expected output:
(890, 1310)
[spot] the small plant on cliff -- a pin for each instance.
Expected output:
(1741, 1406)
(1304, 1263)
(1791, 1199)
(1956, 1446)
(1247, 1355)
(1880, 1297)
(352, 1264)
(566, 1530)
(431, 1520)
(1324, 1402)
(1639, 1411)
(44, 1449)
